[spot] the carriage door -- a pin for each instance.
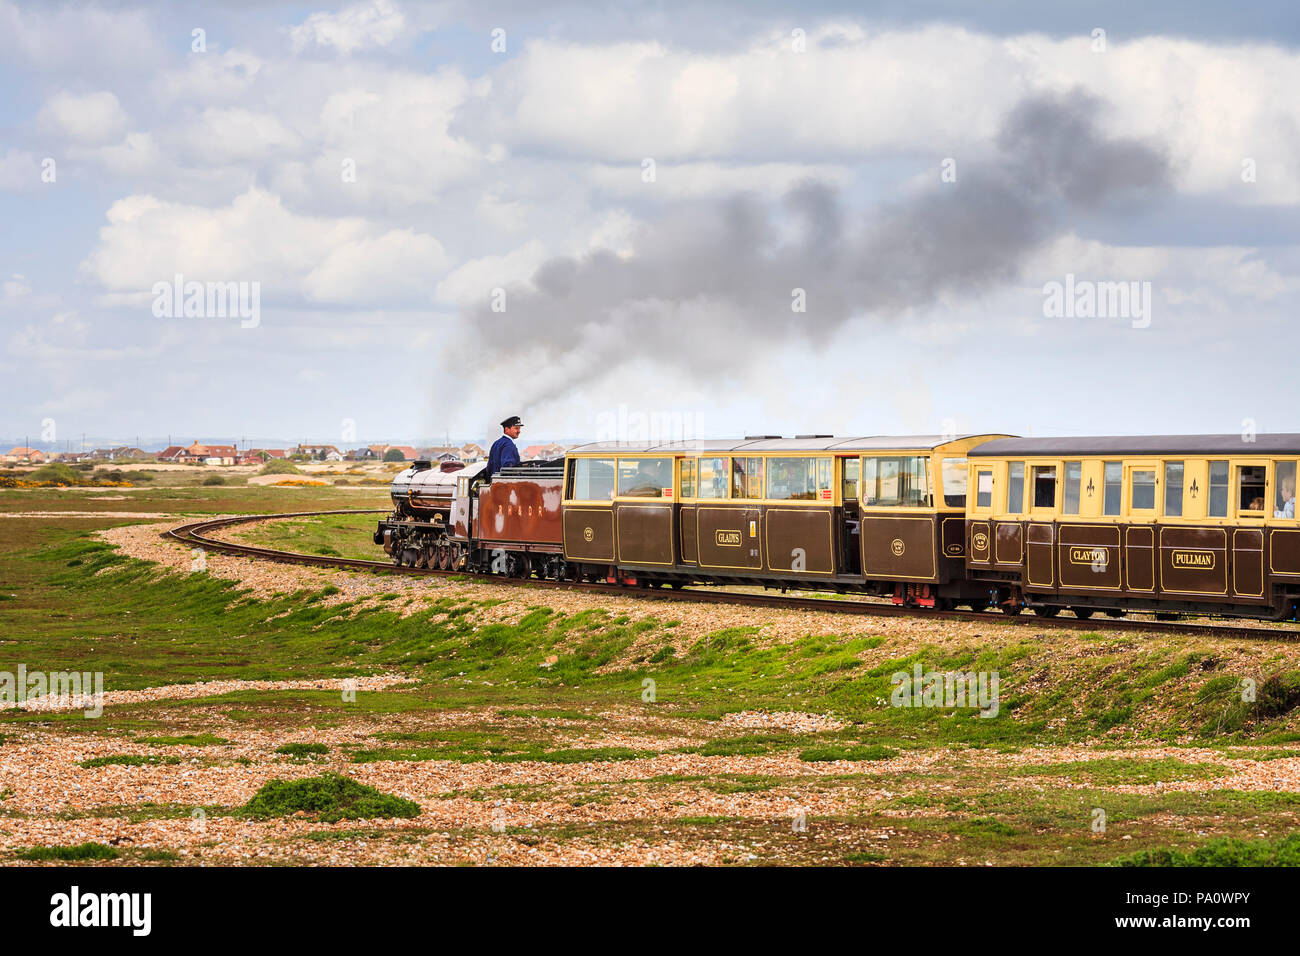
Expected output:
(1141, 487)
(1250, 498)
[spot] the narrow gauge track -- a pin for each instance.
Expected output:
(196, 534)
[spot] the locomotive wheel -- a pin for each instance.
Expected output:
(1011, 610)
(1082, 613)
(445, 557)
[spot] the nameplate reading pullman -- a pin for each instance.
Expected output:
(727, 539)
(1097, 556)
(1192, 559)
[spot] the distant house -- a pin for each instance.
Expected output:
(172, 453)
(408, 453)
(439, 451)
(122, 451)
(320, 452)
(472, 452)
(360, 454)
(25, 455)
(210, 454)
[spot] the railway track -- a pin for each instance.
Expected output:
(197, 534)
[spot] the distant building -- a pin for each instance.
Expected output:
(172, 453)
(472, 452)
(408, 453)
(24, 455)
(320, 452)
(211, 454)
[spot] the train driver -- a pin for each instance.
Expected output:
(504, 453)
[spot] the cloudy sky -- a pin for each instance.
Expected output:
(750, 218)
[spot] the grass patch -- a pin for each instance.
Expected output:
(82, 851)
(186, 740)
(1113, 770)
(1222, 852)
(861, 752)
(129, 760)
(330, 797)
(302, 750)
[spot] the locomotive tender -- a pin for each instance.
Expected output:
(1172, 524)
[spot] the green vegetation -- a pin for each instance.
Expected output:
(82, 851)
(128, 760)
(330, 797)
(302, 750)
(868, 752)
(280, 466)
(481, 695)
(347, 536)
(187, 740)
(1223, 852)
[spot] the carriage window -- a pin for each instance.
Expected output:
(799, 479)
(1284, 490)
(1073, 484)
(955, 475)
(1173, 489)
(1250, 490)
(1015, 487)
(1114, 486)
(712, 478)
(984, 489)
(591, 479)
(746, 477)
(1218, 489)
(897, 482)
(688, 477)
(1044, 486)
(852, 470)
(1143, 490)
(645, 477)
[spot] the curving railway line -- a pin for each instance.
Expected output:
(198, 534)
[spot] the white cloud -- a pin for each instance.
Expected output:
(233, 135)
(935, 90)
(399, 266)
(472, 283)
(255, 238)
(374, 24)
(91, 119)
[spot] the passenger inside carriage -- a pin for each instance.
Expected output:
(1285, 506)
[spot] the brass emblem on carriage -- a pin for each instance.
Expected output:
(1193, 559)
(587, 533)
(897, 547)
(979, 541)
(727, 539)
